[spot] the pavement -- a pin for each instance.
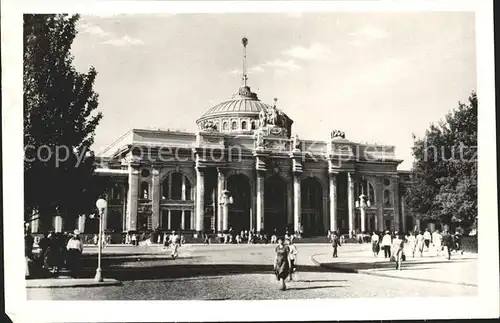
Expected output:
(460, 270)
(133, 272)
(62, 282)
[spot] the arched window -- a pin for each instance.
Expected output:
(243, 125)
(224, 126)
(176, 186)
(253, 125)
(234, 125)
(144, 190)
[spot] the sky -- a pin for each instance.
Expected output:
(379, 77)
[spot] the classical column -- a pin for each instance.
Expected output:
(403, 215)
(225, 216)
(350, 200)
(169, 219)
(221, 185)
(132, 196)
(169, 191)
(81, 223)
(58, 223)
(333, 202)
(296, 202)
(290, 202)
(183, 192)
(156, 189)
(200, 203)
(379, 197)
(395, 195)
(124, 208)
(363, 218)
(35, 223)
(183, 220)
(260, 201)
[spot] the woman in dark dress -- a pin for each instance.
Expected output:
(282, 263)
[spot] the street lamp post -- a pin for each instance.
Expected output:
(101, 206)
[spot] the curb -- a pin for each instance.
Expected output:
(52, 284)
(363, 272)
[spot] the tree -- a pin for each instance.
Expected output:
(445, 169)
(60, 119)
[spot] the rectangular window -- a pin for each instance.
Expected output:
(175, 219)
(187, 220)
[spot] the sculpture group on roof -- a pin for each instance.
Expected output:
(209, 126)
(274, 117)
(337, 134)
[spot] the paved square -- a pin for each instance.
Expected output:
(244, 272)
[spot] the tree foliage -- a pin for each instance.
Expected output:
(445, 169)
(60, 119)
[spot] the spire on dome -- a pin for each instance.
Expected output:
(244, 41)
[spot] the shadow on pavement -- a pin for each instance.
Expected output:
(312, 287)
(409, 265)
(321, 280)
(188, 270)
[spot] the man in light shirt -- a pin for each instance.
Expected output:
(386, 244)
(174, 240)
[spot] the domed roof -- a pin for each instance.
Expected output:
(243, 102)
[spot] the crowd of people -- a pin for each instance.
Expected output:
(56, 252)
(393, 244)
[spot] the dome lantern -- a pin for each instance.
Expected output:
(243, 112)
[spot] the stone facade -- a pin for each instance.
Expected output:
(214, 181)
(243, 169)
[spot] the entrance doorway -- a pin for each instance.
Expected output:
(312, 207)
(275, 197)
(239, 212)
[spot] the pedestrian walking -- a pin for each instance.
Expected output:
(427, 239)
(448, 243)
(206, 238)
(386, 244)
(420, 243)
(293, 252)
(375, 244)
(437, 241)
(281, 263)
(457, 238)
(398, 250)
(412, 243)
(75, 250)
(175, 239)
(335, 244)
(134, 240)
